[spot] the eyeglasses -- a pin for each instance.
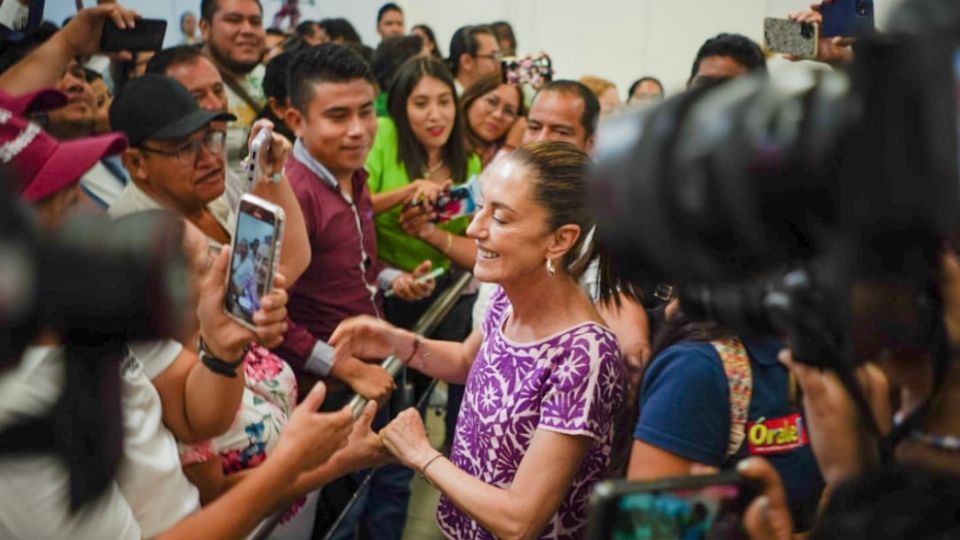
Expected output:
(493, 103)
(495, 56)
(187, 154)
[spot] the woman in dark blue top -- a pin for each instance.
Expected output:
(686, 415)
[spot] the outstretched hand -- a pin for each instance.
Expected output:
(367, 337)
(365, 449)
(225, 337)
(768, 516)
(310, 438)
(406, 438)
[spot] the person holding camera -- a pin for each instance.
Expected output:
(177, 162)
(544, 375)
(419, 153)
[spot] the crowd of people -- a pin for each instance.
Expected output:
(558, 375)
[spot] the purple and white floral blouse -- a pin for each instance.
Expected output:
(571, 382)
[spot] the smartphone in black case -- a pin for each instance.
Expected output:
(147, 35)
(710, 506)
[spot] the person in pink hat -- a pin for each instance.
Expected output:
(47, 172)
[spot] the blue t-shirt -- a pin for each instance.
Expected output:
(685, 410)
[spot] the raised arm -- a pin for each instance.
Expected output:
(199, 403)
(369, 337)
(519, 511)
(295, 252)
(44, 66)
(308, 440)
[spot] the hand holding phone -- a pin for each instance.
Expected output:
(146, 35)
(223, 337)
(433, 274)
(85, 30)
(458, 202)
(847, 18)
(254, 257)
(259, 151)
(710, 506)
(830, 50)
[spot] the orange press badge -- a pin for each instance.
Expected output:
(775, 436)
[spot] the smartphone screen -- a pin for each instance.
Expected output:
(706, 508)
(251, 265)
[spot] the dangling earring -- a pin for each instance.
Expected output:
(550, 268)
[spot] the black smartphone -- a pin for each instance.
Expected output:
(147, 35)
(848, 18)
(709, 507)
(254, 257)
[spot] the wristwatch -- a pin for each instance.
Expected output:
(218, 366)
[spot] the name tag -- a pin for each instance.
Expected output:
(776, 436)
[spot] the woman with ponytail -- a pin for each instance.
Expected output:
(544, 374)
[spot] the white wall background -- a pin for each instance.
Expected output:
(617, 39)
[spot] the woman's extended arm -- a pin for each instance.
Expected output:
(369, 337)
(521, 510)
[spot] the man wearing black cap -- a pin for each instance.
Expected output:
(176, 157)
(176, 162)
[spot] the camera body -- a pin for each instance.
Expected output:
(843, 178)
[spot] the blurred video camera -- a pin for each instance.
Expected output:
(101, 279)
(773, 204)
(98, 285)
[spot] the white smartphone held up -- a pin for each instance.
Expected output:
(254, 256)
(259, 147)
(791, 37)
(433, 274)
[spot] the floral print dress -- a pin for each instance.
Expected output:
(268, 399)
(571, 382)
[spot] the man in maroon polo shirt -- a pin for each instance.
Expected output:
(332, 91)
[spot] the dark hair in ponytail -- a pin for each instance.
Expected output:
(561, 171)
